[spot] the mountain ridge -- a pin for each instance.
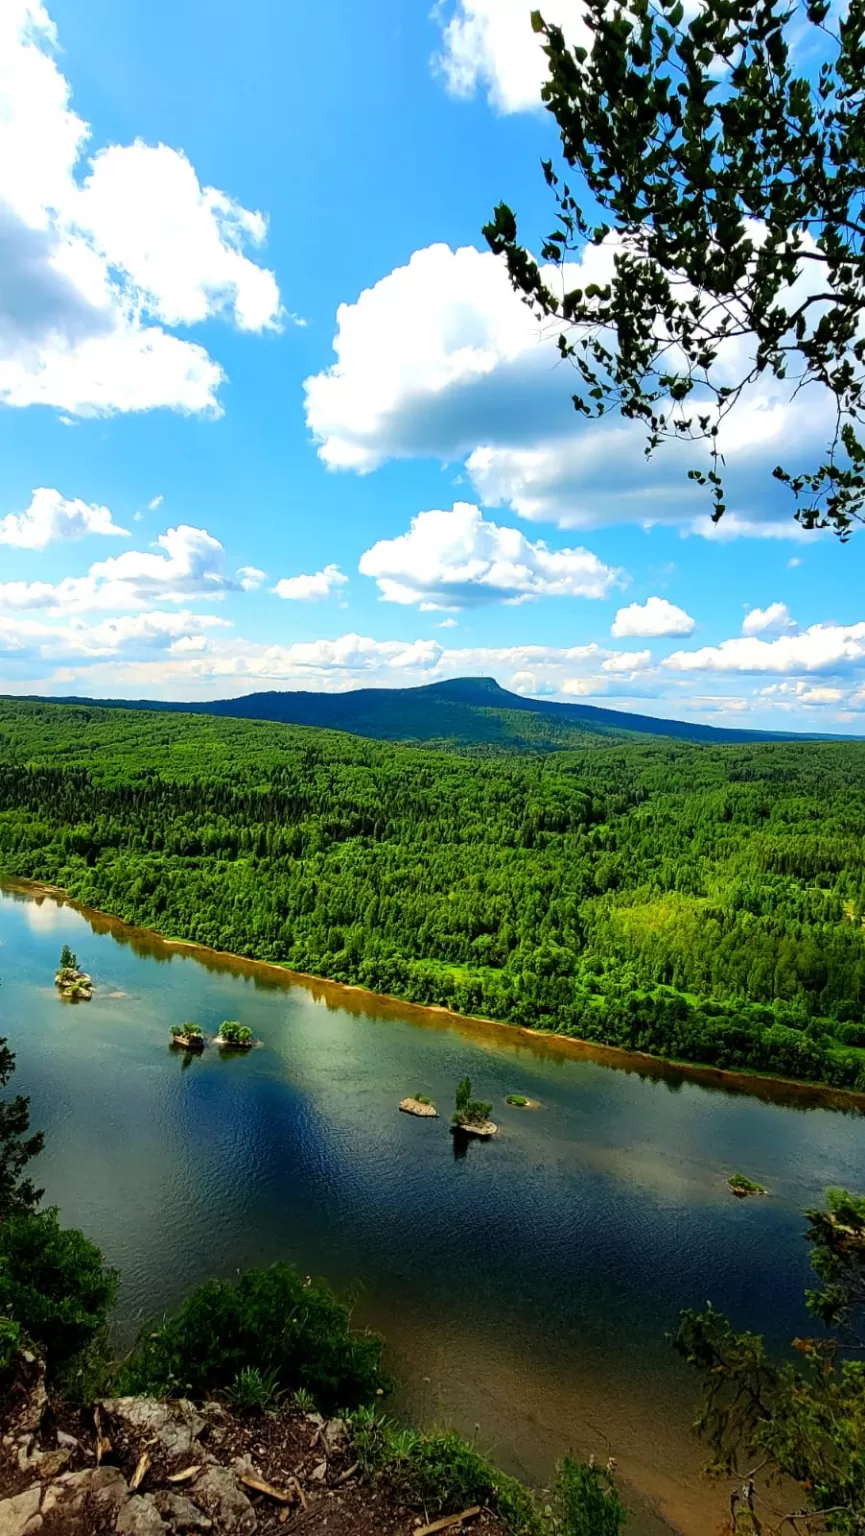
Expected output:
(463, 710)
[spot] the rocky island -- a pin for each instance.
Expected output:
(72, 983)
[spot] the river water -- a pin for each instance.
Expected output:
(527, 1290)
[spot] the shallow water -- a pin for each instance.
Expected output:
(528, 1288)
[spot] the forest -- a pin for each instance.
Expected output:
(701, 902)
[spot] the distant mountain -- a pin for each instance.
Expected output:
(464, 711)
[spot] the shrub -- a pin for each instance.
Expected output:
(55, 1284)
(518, 1101)
(254, 1392)
(298, 1331)
(11, 1340)
(68, 959)
(587, 1500)
(233, 1033)
(469, 1111)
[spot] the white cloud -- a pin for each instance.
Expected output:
(50, 516)
(800, 692)
(457, 559)
(310, 589)
(441, 359)
(822, 648)
(655, 617)
(489, 44)
(189, 566)
(155, 631)
(627, 661)
(97, 257)
(155, 503)
(768, 621)
(250, 578)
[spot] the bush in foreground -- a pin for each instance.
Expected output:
(440, 1472)
(55, 1285)
(270, 1319)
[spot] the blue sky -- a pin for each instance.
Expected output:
(270, 416)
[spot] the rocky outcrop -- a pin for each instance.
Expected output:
(138, 1466)
(418, 1107)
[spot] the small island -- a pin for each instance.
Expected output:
(187, 1037)
(742, 1187)
(72, 983)
(419, 1104)
(235, 1036)
(471, 1117)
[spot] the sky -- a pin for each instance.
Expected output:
(272, 417)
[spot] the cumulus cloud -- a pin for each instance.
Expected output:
(22, 638)
(489, 45)
(655, 617)
(97, 257)
(250, 578)
(50, 516)
(799, 692)
(188, 566)
(458, 559)
(772, 620)
(310, 589)
(441, 359)
(822, 648)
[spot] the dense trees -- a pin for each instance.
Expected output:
(705, 903)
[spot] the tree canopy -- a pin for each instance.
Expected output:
(807, 1424)
(726, 185)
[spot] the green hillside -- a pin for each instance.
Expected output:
(465, 711)
(702, 902)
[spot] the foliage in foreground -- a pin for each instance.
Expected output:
(295, 1332)
(440, 1472)
(18, 1146)
(802, 1423)
(723, 145)
(55, 1285)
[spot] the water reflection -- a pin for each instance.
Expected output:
(534, 1280)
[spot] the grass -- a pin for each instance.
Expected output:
(742, 1185)
(517, 1100)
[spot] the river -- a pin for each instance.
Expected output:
(527, 1290)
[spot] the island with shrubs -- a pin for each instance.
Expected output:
(471, 1117)
(187, 1037)
(235, 1036)
(72, 983)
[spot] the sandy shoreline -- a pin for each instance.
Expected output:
(781, 1090)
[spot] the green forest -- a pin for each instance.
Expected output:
(701, 902)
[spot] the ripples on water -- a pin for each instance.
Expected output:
(528, 1288)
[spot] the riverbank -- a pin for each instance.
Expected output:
(786, 1092)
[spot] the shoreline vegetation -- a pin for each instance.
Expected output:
(701, 904)
(790, 1091)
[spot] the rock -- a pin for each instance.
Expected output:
(335, 1435)
(415, 1107)
(139, 1517)
(48, 1463)
(30, 1397)
(483, 1129)
(319, 1473)
(104, 1486)
(180, 1512)
(217, 1493)
(175, 1425)
(16, 1514)
(67, 1442)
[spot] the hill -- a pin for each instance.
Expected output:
(703, 902)
(465, 711)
